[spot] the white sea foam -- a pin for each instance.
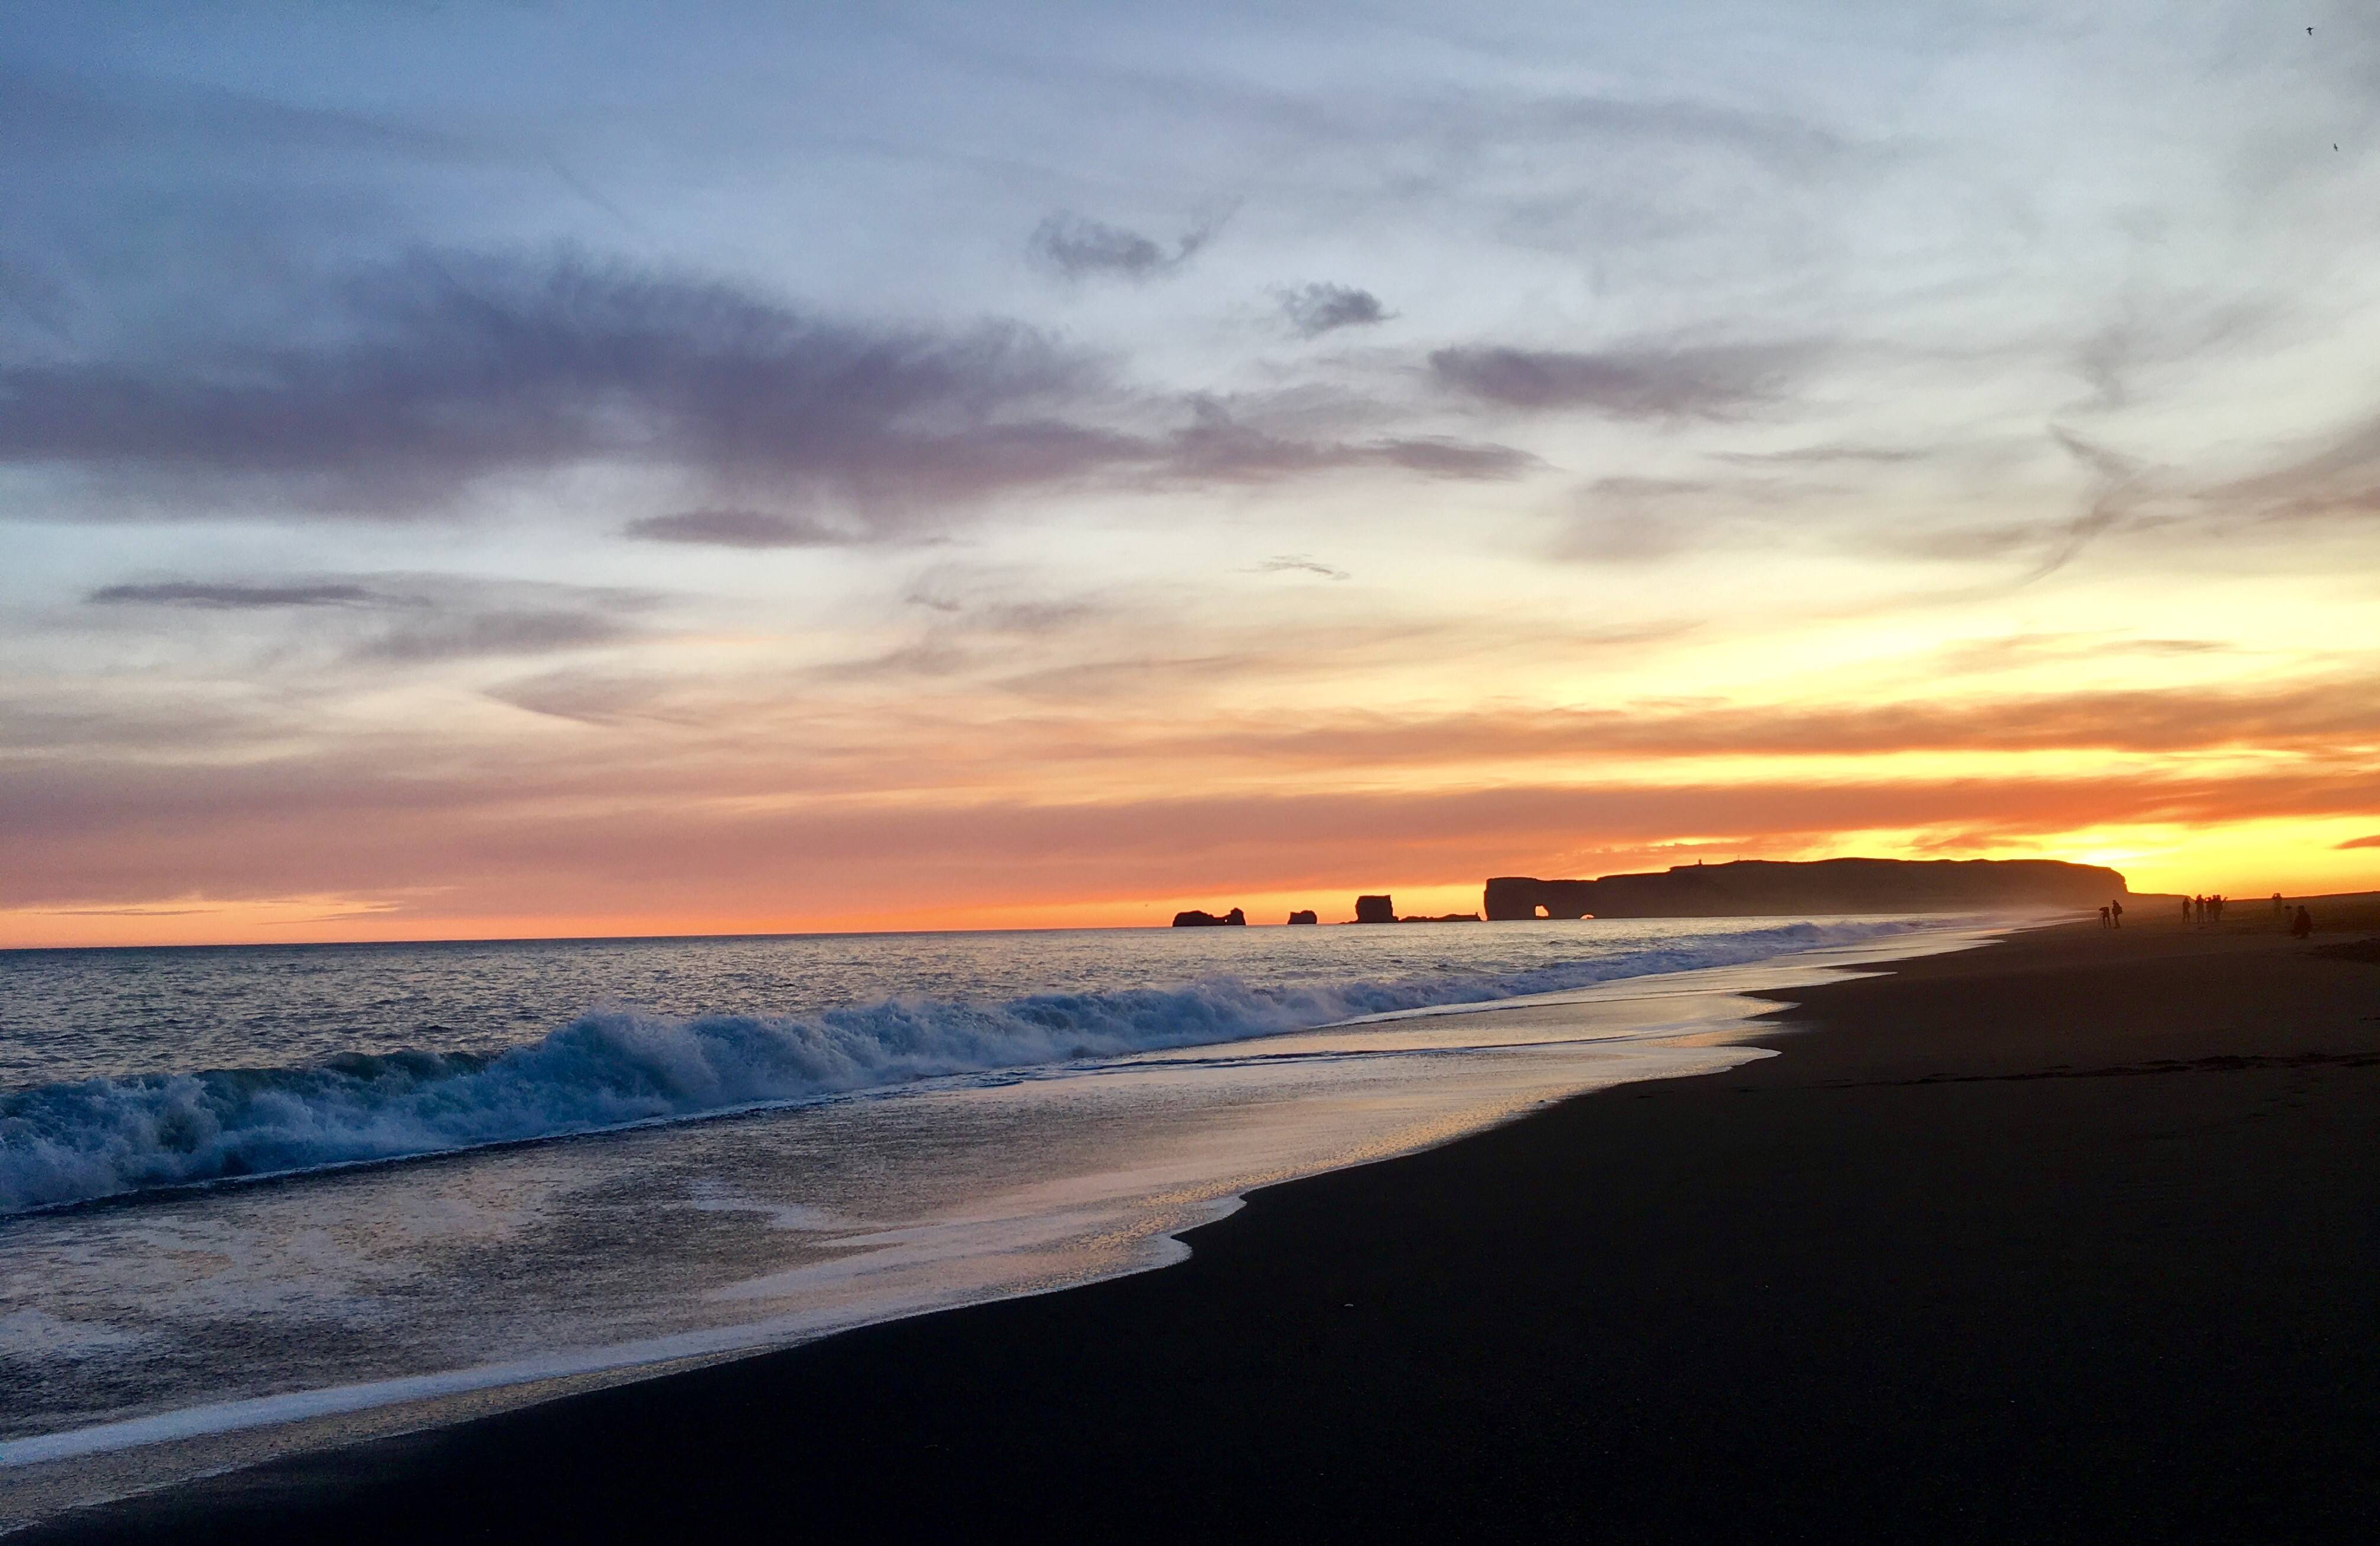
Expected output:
(74, 1142)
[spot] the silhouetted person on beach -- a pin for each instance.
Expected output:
(2103, 919)
(2216, 902)
(2302, 925)
(2115, 913)
(2188, 908)
(2280, 908)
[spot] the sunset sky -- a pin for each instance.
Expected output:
(566, 468)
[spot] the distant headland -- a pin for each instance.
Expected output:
(1757, 887)
(1750, 888)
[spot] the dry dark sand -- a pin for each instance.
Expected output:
(2075, 1237)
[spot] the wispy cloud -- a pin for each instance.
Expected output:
(2336, 477)
(496, 633)
(1297, 563)
(455, 369)
(1824, 455)
(1222, 444)
(2113, 501)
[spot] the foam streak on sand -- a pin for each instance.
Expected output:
(73, 1142)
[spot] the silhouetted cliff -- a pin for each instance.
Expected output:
(1756, 887)
(1194, 919)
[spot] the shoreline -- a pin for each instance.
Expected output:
(1705, 1008)
(1199, 1358)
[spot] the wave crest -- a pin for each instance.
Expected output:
(66, 1143)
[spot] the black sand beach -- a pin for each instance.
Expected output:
(2072, 1237)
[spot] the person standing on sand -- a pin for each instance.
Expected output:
(2115, 913)
(2302, 925)
(2103, 918)
(2280, 908)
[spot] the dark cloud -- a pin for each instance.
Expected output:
(431, 377)
(230, 596)
(1681, 381)
(447, 371)
(1081, 248)
(1315, 309)
(735, 528)
(1440, 458)
(2371, 841)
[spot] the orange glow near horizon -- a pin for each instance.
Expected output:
(2243, 859)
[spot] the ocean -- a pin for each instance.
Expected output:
(252, 1198)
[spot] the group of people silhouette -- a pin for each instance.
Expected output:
(2206, 912)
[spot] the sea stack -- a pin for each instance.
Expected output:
(1375, 909)
(1194, 919)
(1304, 915)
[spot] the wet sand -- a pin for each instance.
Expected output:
(2071, 1237)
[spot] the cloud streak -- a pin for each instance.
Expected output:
(1644, 382)
(503, 632)
(1298, 564)
(735, 528)
(231, 596)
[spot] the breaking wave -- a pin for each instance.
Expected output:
(74, 1142)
